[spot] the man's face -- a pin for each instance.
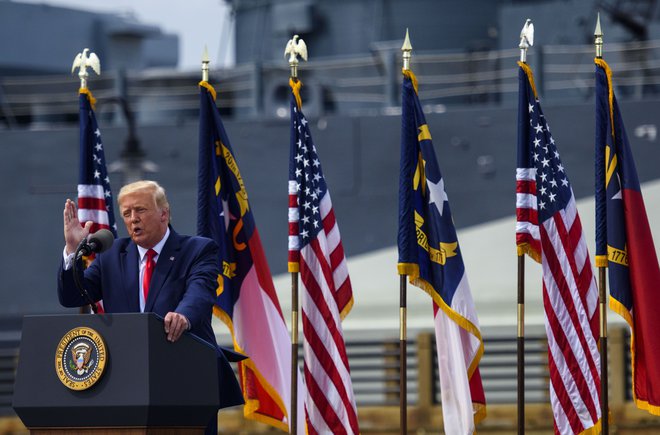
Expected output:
(145, 222)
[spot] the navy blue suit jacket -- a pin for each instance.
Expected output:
(184, 281)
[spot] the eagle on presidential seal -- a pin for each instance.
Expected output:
(81, 358)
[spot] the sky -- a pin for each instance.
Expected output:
(197, 22)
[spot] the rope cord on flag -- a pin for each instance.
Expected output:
(411, 76)
(209, 88)
(90, 97)
(295, 87)
(530, 76)
(610, 92)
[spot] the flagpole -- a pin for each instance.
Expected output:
(602, 294)
(294, 50)
(521, 343)
(205, 65)
(84, 60)
(406, 50)
(293, 424)
(403, 391)
(526, 41)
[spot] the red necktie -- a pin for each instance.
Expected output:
(148, 271)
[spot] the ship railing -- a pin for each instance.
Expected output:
(348, 85)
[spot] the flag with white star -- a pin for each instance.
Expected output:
(549, 230)
(430, 255)
(316, 251)
(246, 300)
(624, 243)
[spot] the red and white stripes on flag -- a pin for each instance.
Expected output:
(315, 250)
(549, 230)
(329, 406)
(570, 300)
(92, 206)
(528, 238)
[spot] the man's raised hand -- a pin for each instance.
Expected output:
(74, 233)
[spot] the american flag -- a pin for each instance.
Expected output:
(548, 219)
(315, 250)
(624, 243)
(430, 255)
(94, 193)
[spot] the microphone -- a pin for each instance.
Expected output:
(98, 242)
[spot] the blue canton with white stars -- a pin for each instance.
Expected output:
(305, 169)
(553, 190)
(101, 177)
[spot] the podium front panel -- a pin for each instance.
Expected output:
(147, 381)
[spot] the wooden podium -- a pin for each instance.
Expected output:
(148, 385)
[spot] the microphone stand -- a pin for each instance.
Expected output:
(76, 277)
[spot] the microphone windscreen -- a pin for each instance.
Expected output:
(101, 240)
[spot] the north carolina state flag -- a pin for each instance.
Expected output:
(624, 243)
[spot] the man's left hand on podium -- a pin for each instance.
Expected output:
(175, 325)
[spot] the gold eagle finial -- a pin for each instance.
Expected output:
(294, 48)
(82, 61)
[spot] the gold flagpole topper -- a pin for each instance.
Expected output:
(406, 48)
(598, 38)
(82, 61)
(294, 48)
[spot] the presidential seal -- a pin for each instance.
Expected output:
(80, 358)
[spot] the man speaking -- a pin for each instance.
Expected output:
(154, 270)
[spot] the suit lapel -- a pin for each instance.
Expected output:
(164, 265)
(130, 265)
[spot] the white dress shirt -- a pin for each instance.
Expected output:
(142, 252)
